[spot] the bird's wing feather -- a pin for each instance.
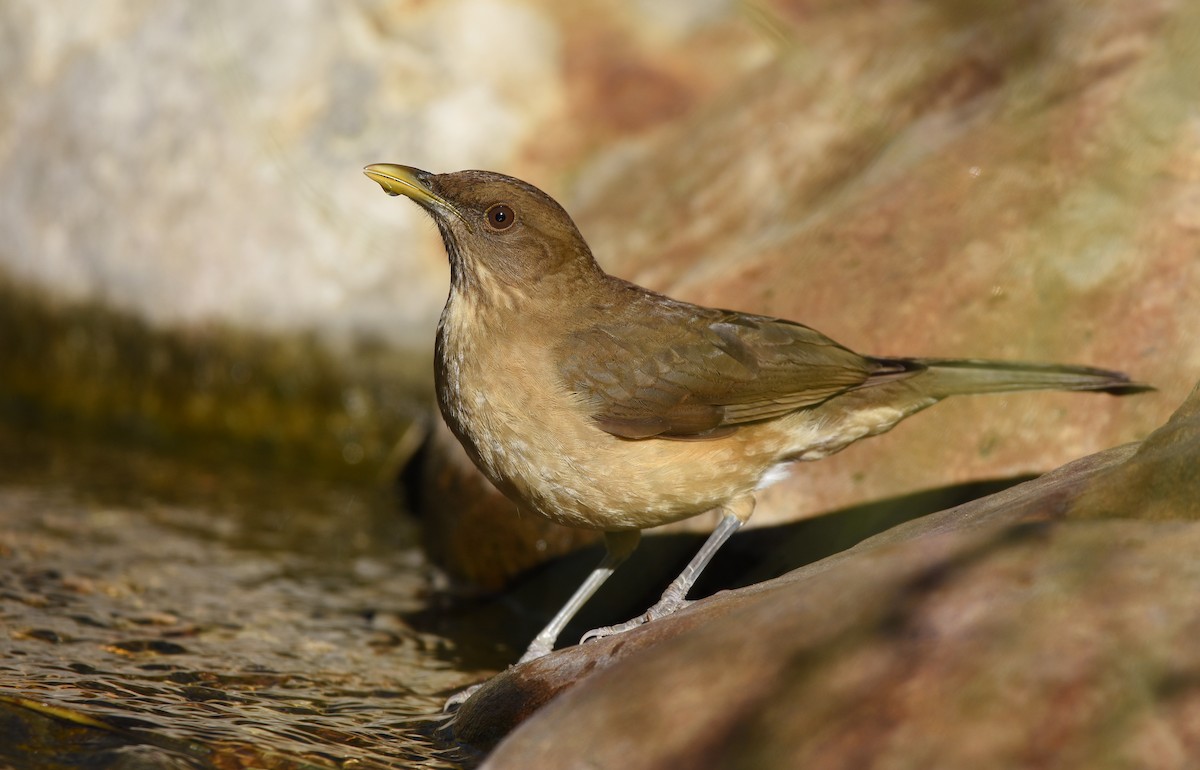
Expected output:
(689, 372)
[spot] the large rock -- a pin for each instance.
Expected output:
(1017, 183)
(1051, 623)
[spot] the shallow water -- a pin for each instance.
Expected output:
(155, 614)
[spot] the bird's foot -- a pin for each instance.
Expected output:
(665, 607)
(462, 696)
(537, 649)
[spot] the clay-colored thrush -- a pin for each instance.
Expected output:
(598, 403)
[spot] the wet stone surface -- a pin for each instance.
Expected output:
(153, 615)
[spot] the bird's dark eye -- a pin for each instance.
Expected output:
(501, 216)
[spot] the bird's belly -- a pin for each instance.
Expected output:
(608, 483)
(584, 477)
(556, 463)
(552, 460)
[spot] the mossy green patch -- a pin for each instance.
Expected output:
(217, 393)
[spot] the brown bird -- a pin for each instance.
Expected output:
(597, 403)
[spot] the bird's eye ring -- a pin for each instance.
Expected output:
(500, 216)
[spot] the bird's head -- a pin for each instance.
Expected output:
(494, 226)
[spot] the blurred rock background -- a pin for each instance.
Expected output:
(191, 258)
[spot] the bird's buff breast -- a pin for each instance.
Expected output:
(536, 442)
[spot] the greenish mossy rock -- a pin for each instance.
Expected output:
(219, 394)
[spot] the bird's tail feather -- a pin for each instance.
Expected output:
(950, 377)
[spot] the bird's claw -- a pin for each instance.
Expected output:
(537, 649)
(620, 628)
(660, 610)
(462, 696)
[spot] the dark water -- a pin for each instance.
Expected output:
(155, 614)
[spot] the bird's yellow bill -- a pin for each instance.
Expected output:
(408, 181)
(400, 180)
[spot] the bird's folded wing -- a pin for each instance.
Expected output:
(703, 378)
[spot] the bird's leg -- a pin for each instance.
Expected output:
(618, 546)
(675, 597)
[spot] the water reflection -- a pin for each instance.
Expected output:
(159, 615)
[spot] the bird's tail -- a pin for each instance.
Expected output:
(951, 377)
